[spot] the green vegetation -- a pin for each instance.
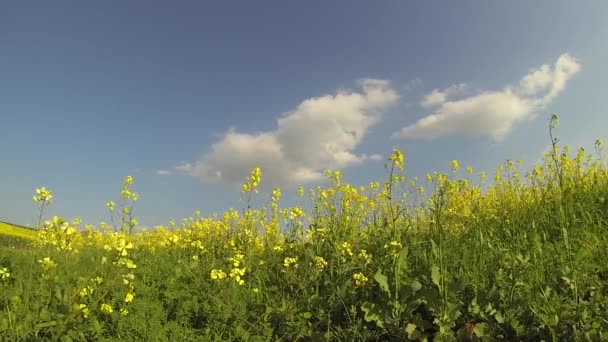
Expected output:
(527, 259)
(12, 236)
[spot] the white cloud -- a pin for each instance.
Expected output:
(437, 97)
(320, 133)
(376, 157)
(163, 172)
(493, 113)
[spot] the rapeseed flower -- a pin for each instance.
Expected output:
(218, 274)
(364, 256)
(320, 263)
(360, 279)
(47, 264)
(43, 195)
(107, 308)
(394, 247)
(83, 308)
(237, 274)
(345, 249)
(290, 262)
(4, 273)
(397, 159)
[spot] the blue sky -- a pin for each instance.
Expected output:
(187, 96)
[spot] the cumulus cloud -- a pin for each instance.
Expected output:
(321, 132)
(376, 157)
(493, 113)
(437, 97)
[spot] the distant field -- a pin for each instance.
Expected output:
(15, 231)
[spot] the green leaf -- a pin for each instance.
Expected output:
(45, 325)
(480, 329)
(412, 331)
(434, 249)
(372, 313)
(382, 280)
(45, 315)
(408, 289)
(458, 285)
(436, 276)
(3, 324)
(401, 264)
(498, 317)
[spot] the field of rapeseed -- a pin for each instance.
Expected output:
(401, 259)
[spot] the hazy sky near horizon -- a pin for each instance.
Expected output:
(188, 96)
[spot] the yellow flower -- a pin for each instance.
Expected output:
(289, 262)
(83, 308)
(43, 195)
(363, 255)
(397, 159)
(129, 297)
(394, 247)
(360, 279)
(236, 274)
(86, 291)
(47, 264)
(4, 273)
(295, 213)
(320, 263)
(344, 249)
(107, 308)
(218, 274)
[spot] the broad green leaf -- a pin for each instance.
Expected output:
(436, 276)
(401, 264)
(409, 288)
(412, 331)
(3, 324)
(45, 315)
(498, 317)
(382, 280)
(372, 313)
(480, 329)
(434, 249)
(458, 285)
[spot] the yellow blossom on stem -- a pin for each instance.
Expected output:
(290, 262)
(107, 308)
(320, 263)
(360, 279)
(218, 274)
(4, 274)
